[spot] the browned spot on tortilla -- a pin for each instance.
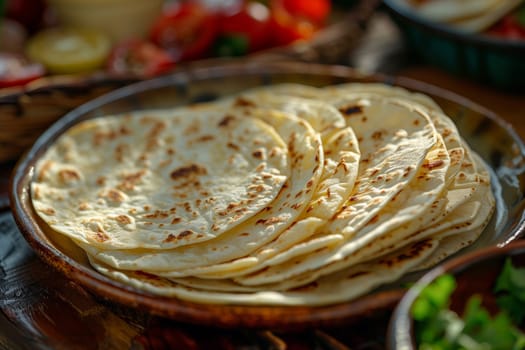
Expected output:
(226, 120)
(233, 146)
(44, 169)
(123, 219)
(130, 180)
(67, 175)
(187, 207)
(350, 110)
(120, 150)
(171, 237)
(185, 233)
(134, 176)
(343, 164)
(373, 219)
(114, 195)
(100, 236)
(123, 130)
(157, 128)
(257, 154)
(433, 164)
(377, 135)
(158, 214)
(243, 102)
(394, 197)
(296, 206)
(83, 206)
(205, 138)
(48, 211)
(101, 181)
(269, 221)
(188, 171)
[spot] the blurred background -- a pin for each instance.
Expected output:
(479, 40)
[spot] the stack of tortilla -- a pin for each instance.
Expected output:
(465, 15)
(282, 195)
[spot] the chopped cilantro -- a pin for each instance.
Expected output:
(510, 290)
(439, 328)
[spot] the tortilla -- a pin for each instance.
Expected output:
(391, 151)
(339, 174)
(370, 182)
(122, 182)
(466, 15)
(339, 287)
(306, 156)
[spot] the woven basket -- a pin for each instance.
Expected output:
(26, 113)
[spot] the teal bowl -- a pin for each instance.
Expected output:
(490, 60)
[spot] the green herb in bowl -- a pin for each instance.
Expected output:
(438, 327)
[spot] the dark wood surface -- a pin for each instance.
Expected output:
(42, 310)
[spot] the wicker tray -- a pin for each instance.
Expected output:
(26, 112)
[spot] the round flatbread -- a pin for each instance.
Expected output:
(306, 156)
(339, 287)
(159, 179)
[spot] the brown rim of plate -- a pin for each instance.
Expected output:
(400, 329)
(277, 317)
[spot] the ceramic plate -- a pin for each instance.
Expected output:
(496, 142)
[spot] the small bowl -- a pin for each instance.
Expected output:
(483, 58)
(475, 273)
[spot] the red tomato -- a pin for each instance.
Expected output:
(140, 58)
(287, 28)
(312, 10)
(509, 27)
(186, 31)
(16, 70)
(251, 22)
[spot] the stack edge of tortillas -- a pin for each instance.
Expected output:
(469, 16)
(282, 195)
